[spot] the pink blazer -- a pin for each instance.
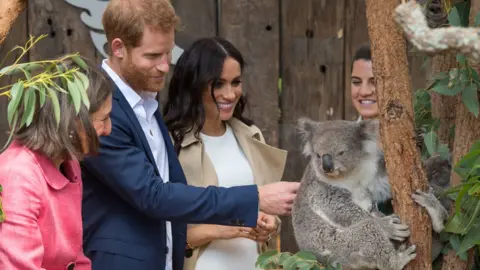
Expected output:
(43, 227)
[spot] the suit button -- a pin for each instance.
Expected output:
(71, 266)
(188, 253)
(166, 250)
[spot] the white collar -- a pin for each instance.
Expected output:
(132, 97)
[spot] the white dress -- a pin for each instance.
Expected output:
(232, 169)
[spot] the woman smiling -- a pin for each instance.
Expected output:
(218, 146)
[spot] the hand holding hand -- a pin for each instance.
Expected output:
(277, 198)
(266, 227)
(230, 232)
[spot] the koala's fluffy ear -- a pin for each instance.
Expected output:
(370, 129)
(306, 129)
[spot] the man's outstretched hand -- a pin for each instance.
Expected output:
(277, 198)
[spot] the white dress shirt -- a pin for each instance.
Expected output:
(144, 106)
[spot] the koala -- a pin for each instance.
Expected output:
(335, 214)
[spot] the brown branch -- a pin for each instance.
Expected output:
(394, 96)
(459, 39)
(9, 11)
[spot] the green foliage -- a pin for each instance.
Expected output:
(462, 231)
(42, 77)
(40, 80)
(302, 260)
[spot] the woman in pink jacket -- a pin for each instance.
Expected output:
(42, 187)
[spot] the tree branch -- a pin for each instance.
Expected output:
(435, 41)
(9, 12)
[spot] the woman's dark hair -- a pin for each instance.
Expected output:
(199, 65)
(363, 53)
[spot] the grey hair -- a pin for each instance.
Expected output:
(63, 141)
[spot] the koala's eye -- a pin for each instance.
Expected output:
(318, 155)
(340, 153)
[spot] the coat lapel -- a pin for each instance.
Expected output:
(175, 169)
(122, 101)
(267, 162)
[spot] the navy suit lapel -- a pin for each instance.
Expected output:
(122, 101)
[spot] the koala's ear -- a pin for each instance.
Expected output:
(370, 128)
(306, 129)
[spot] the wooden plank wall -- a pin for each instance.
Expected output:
(307, 43)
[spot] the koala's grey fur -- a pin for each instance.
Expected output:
(335, 213)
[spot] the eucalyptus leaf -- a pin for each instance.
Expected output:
(82, 85)
(19, 68)
(458, 201)
(455, 226)
(79, 61)
(74, 94)
(29, 100)
(303, 265)
(306, 255)
(42, 94)
(444, 89)
(461, 59)
(431, 142)
(290, 263)
(474, 189)
(470, 98)
(283, 257)
(262, 258)
(16, 93)
(56, 105)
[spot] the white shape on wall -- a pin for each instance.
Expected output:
(92, 18)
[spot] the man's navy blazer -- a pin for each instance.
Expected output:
(126, 203)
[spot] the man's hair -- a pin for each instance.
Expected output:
(127, 19)
(63, 141)
(363, 53)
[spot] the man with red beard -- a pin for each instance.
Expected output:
(136, 202)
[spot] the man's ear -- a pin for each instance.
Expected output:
(118, 48)
(306, 128)
(370, 129)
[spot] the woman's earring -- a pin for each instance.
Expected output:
(70, 135)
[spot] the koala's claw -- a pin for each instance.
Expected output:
(424, 198)
(405, 256)
(395, 229)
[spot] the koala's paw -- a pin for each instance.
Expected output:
(425, 199)
(438, 214)
(404, 256)
(394, 228)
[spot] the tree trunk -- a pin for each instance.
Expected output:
(9, 11)
(443, 107)
(467, 131)
(394, 96)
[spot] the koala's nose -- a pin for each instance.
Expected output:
(327, 163)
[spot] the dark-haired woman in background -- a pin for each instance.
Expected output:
(218, 146)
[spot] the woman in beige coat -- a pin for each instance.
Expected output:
(218, 146)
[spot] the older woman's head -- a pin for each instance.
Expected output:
(77, 134)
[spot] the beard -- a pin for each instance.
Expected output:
(141, 79)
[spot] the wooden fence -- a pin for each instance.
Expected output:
(307, 43)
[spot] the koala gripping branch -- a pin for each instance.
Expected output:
(394, 97)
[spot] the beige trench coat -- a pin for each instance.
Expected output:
(267, 162)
